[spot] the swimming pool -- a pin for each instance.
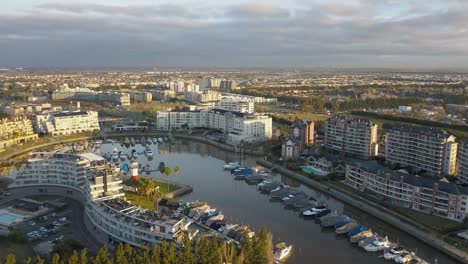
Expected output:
(8, 219)
(312, 170)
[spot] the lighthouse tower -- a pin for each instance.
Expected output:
(134, 170)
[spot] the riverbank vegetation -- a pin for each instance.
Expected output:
(203, 250)
(147, 191)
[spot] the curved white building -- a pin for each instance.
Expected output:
(92, 177)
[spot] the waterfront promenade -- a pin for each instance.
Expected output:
(378, 211)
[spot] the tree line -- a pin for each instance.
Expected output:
(203, 250)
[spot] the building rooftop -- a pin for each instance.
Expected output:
(414, 180)
(63, 114)
(429, 131)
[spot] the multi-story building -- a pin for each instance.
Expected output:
(85, 94)
(244, 98)
(424, 149)
(463, 162)
(163, 95)
(236, 106)
(202, 97)
(13, 132)
(357, 137)
(91, 176)
(435, 197)
(228, 85)
(237, 126)
(15, 110)
(301, 135)
(141, 97)
(65, 123)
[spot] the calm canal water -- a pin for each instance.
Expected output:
(202, 167)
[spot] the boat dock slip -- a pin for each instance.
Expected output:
(211, 230)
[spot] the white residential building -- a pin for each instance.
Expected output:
(65, 123)
(236, 106)
(202, 97)
(90, 176)
(425, 149)
(13, 132)
(237, 126)
(85, 94)
(463, 162)
(357, 137)
(433, 197)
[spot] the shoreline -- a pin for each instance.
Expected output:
(375, 210)
(365, 205)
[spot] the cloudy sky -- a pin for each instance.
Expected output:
(234, 33)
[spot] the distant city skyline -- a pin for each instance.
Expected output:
(397, 34)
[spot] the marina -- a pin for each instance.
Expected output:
(202, 167)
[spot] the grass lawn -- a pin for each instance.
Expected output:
(458, 242)
(21, 251)
(146, 202)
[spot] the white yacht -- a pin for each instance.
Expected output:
(403, 257)
(392, 253)
(231, 165)
(122, 156)
(282, 251)
(378, 245)
(155, 140)
(115, 155)
(149, 153)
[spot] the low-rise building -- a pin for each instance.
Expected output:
(14, 132)
(424, 149)
(357, 137)
(65, 123)
(410, 191)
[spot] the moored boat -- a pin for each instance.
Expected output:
(404, 257)
(358, 229)
(346, 228)
(393, 253)
(231, 165)
(367, 241)
(332, 220)
(378, 245)
(282, 251)
(363, 235)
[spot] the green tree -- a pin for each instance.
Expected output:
(55, 259)
(10, 259)
(84, 256)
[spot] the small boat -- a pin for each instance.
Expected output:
(214, 218)
(282, 251)
(149, 154)
(346, 228)
(378, 245)
(242, 172)
(254, 179)
(143, 141)
(149, 141)
(367, 241)
(226, 229)
(135, 155)
(393, 253)
(358, 229)
(302, 203)
(115, 155)
(342, 223)
(231, 165)
(127, 141)
(296, 198)
(404, 257)
(166, 139)
(314, 211)
(122, 156)
(155, 140)
(363, 235)
(217, 224)
(332, 221)
(269, 187)
(203, 213)
(116, 167)
(160, 140)
(263, 183)
(148, 168)
(132, 141)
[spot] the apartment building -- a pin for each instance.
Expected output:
(65, 123)
(202, 97)
(433, 197)
(143, 97)
(237, 126)
(16, 131)
(357, 137)
(243, 97)
(85, 94)
(236, 106)
(424, 149)
(463, 162)
(163, 95)
(19, 110)
(105, 205)
(228, 85)
(301, 135)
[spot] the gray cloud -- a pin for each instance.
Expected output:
(312, 34)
